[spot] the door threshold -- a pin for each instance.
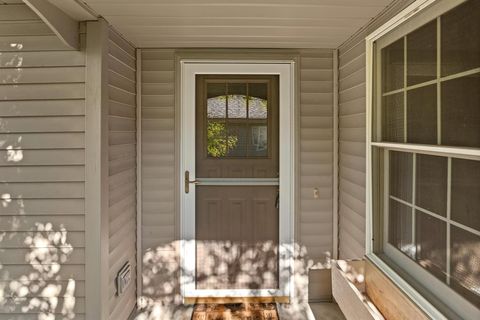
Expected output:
(230, 300)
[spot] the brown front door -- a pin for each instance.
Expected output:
(237, 166)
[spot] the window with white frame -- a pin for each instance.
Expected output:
(425, 152)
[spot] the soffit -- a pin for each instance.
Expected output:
(237, 23)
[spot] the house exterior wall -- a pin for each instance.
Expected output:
(352, 135)
(122, 172)
(160, 159)
(42, 170)
(46, 232)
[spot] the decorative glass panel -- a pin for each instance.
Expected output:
(461, 111)
(401, 171)
(460, 38)
(393, 66)
(422, 115)
(422, 54)
(400, 227)
(431, 183)
(465, 264)
(216, 100)
(257, 100)
(431, 243)
(237, 100)
(466, 192)
(393, 118)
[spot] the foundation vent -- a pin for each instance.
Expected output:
(124, 277)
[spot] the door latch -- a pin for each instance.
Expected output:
(187, 181)
(277, 200)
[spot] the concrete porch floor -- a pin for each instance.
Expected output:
(326, 311)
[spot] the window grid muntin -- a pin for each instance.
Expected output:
(247, 121)
(448, 221)
(448, 151)
(438, 81)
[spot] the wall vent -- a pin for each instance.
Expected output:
(124, 277)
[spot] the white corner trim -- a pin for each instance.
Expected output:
(139, 173)
(285, 69)
(62, 25)
(335, 155)
(96, 172)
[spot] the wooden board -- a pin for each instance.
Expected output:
(347, 290)
(229, 300)
(387, 297)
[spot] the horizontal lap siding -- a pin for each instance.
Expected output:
(352, 133)
(158, 174)
(122, 171)
(315, 152)
(42, 173)
(315, 133)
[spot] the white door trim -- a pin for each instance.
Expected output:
(285, 70)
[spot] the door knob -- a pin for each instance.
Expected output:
(187, 181)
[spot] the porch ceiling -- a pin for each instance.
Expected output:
(237, 23)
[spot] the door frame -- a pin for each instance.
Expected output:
(285, 69)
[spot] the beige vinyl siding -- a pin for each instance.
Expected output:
(352, 134)
(158, 175)
(122, 171)
(160, 218)
(42, 173)
(315, 153)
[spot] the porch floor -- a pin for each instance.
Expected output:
(320, 310)
(326, 311)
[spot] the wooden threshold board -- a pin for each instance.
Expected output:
(235, 311)
(226, 300)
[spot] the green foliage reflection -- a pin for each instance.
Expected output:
(218, 144)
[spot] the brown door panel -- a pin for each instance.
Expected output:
(237, 226)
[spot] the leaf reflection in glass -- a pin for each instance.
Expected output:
(218, 144)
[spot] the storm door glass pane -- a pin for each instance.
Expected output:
(465, 264)
(216, 100)
(217, 144)
(466, 192)
(422, 54)
(400, 227)
(461, 111)
(422, 115)
(259, 140)
(431, 243)
(237, 100)
(237, 140)
(393, 118)
(393, 66)
(257, 100)
(401, 166)
(460, 38)
(431, 183)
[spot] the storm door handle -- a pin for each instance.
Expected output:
(188, 182)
